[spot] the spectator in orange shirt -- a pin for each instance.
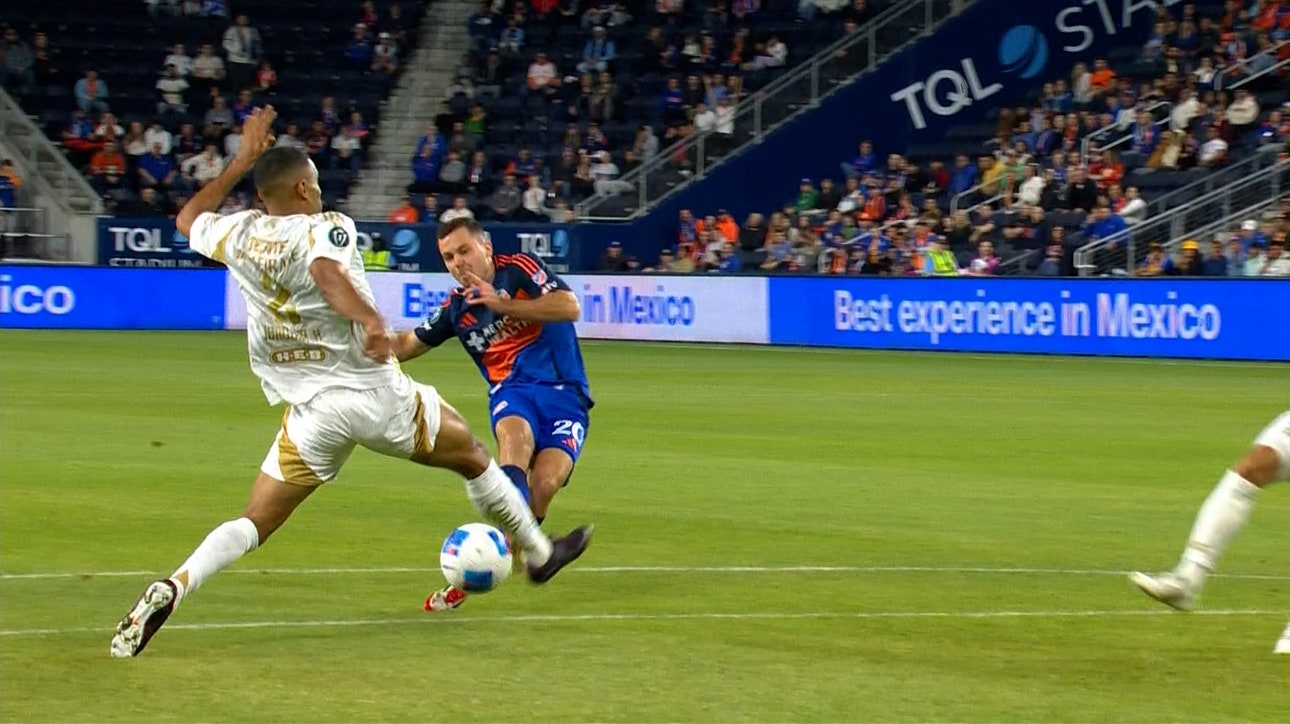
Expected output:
(726, 226)
(1102, 77)
(107, 169)
(405, 212)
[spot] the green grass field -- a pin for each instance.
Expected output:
(782, 535)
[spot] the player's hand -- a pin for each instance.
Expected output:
(479, 291)
(379, 345)
(257, 134)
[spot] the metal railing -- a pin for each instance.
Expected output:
(48, 168)
(797, 91)
(967, 196)
(1120, 253)
(1160, 111)
(1274, 51)
(1016, 265)
(24, 236)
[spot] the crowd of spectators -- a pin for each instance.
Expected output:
(558, 100)
(148, 164)
(1030, 191)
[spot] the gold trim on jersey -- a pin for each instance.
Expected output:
(218, 253)
(422, 445)
(294, 468)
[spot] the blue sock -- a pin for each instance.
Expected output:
(519, 479)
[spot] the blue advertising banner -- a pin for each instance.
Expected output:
(156, 243)
(1148, 318)
(69, 297)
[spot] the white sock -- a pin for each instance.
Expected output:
(1283, 646)
(222, 546)
(501, 502)
(1223, 514)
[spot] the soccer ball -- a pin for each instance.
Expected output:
(476, 558)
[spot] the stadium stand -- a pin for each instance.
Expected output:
(115, 80)
(578, 95)
(1198, 117)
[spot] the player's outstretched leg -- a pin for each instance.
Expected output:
(1221, 517)
(272, 502)
(551, 469)
(1283, 646)
(494, 495)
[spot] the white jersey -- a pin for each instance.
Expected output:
(298, 344)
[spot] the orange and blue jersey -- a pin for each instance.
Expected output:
(534, 369)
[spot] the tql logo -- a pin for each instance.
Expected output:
(555, 244)
(1023, 51)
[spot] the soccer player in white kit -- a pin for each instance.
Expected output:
(318, 344)
(1220, 518)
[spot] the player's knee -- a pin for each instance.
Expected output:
(1259, 466)
(470, 460)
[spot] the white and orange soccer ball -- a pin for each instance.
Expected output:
(476, 558)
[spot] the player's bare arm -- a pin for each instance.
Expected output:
(257, 137)
(554, 306)
(406, 346)
(333, 281)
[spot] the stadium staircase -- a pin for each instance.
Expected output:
(799, 91)
(411, 106)
(56, 205)
(1254, 187)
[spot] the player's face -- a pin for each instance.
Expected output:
(465, 253)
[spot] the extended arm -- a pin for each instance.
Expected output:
(556, 306)
(547, 304)
(407, 345)
(333, 281)
(257, 137)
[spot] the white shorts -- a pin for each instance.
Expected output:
(1277, 437)
(400, 420)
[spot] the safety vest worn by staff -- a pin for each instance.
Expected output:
(943, 263)
(376, 260)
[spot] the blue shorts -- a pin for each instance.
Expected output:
(558, 416)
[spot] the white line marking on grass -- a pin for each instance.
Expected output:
(594, 617)
(977, 570)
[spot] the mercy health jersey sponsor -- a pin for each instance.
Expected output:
(70, 297)
(1149, 318)
(666, 308)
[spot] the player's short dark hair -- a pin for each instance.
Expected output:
(474, 228)
(279, 165)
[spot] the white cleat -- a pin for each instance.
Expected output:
(145, 619)
(1283, 646)
(1166, 588)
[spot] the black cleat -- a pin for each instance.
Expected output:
(563, 552)
(145, 619)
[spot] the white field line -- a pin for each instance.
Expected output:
(610, 617)
(57, 575)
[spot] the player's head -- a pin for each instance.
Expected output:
(466, 249)
(287, 181)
